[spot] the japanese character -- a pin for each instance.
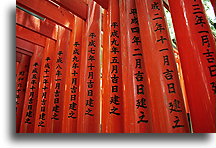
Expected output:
(174, 106)
(114, 24)
(155, 6)
(176, 123)
(92, 43)
(92, 35)
(171, 87)
(88, 112)
(140, 89)
(141, 103)
(212, 70)
(115, 100)
(136, 40)
(199, 20)
(142, 117)
(113, 111)
(72, 106)
(76, 44)
(168, 74)
(114, 33)
(162, 39)
(139, 76)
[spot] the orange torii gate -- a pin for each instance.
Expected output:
(21, 81)
(196, 46)
(137, 117)
(165, 95)
(89, 95)
(139, 91)
(41, 115)
(112, 97)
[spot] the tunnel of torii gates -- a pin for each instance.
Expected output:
(109, 66)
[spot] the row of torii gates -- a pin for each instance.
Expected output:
(108, 66)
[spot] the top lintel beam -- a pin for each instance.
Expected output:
(77, 7)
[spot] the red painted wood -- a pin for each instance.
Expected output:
(30, 36)
(89, 97)
(48, 10)
(113, 114)
(46, 28)
(30, 102)
(41, 116)
(137, 118)
(22, 51)
(21, 81)
(71, 95)
(77, 7)
(103, 3)
(167, 104)
(196, 47)
(25, 45)
(57, 82)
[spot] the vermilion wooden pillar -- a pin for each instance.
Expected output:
(178, 63)
(105, 72)
(57, 84)
(196, 47)
(136, 100)
(30, 102)
(113, 115)
(167, 105)
(41, 115)
(89, 94)
(21, 81)
(71, 95)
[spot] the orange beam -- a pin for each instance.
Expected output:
(49, 10)
(30, 36)
(22, 51)
(77, 7)
(46, 28)
(25, 45)
(103, 3)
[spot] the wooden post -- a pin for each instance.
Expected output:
(196, 47)
(21, 81)
(89, 96)
(72, 82)
(113, 115)
(41, 124)
(31, 95)
(136, 100)
(167, 105)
